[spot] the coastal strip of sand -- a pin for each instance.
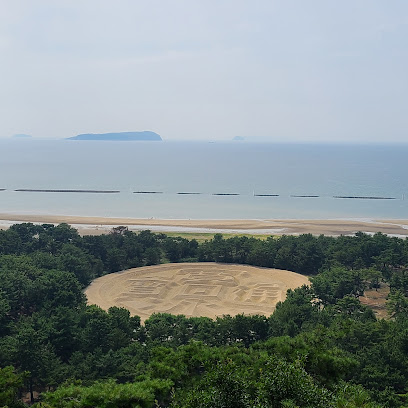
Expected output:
(99, 225)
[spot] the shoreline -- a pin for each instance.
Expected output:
(334, 227)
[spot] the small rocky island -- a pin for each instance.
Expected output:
(122, 136)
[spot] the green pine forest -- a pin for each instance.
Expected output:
(320, 348)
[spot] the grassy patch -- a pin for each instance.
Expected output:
(206, 236)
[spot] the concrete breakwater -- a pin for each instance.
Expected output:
(29, 190)
(36, 190)
(266, 195)
(366, 197)
(305, 196)
(148, 192)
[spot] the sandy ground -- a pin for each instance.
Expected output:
(99, 225)
(376, 299)
(194, 289)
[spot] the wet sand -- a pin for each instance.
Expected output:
(99, 225)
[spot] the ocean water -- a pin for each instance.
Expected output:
(168, 168)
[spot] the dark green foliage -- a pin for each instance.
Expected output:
(294, 314)
(10, 383)
(320, 358)
(288, 382)
(321, 346)
(106, 331)
(307, 254)
(333, 284)
(270, 382)
(397, 304)
(164, 328)
(222, 387)
(108, 394)
(177, 249)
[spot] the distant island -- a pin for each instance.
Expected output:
(239, 138)
(122, 136)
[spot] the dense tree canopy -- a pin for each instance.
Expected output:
(320, 348)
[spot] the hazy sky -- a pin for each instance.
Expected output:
(287, 70)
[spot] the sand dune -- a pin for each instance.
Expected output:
(194, 289)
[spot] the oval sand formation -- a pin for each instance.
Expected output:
(194, 289)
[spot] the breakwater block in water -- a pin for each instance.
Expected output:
(148, 192)
(266, 195)
(225, 194)
(29, 190)
(305, 196)
(366, 197)
(187, 193)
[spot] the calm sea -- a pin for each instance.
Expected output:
(250, 173)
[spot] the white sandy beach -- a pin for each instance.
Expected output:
(336, 227)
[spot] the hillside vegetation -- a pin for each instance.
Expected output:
(320, 348)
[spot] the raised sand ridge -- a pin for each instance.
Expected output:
(194, 289)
